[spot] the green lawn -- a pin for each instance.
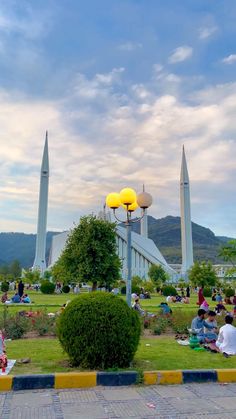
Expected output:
(52, 302)
(163, 354)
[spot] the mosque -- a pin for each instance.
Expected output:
(144, 251)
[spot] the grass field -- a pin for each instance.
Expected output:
(160, 353)
(163, 354)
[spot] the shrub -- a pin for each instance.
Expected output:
(99, 330)
(16, 326)
(229, 292)
(43, 324)
(47, 287)
(207, 292)
(169, 290)
(135, 290)
(65, 289)
(181, 321)
(4, 286)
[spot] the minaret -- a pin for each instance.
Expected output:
(40, 253)
(186, 226)
(144, 222)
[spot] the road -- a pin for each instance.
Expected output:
(215, 401)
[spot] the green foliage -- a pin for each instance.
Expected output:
(65, 289)
(181, 321)
(207, 292)
(43, 324)
(31, 277)
(169, 290)
(136, 280)
(228, 252)
(16, 326)
(4, 286)
(160, 325)
(149, 286)
(47, 287)
(99, 330)
(229, 292)
(134, 289)
(15, 269)
(157, 275)
(202, 274)
(60, 273)
(90, 253)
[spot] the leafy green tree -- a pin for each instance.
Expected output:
(228, 252)
(15, 269)
(91, 253)
(202, 274)
(59, 272)
(157, 275)
(32, 277)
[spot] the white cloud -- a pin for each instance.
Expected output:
(207, 32)
(180, 54)
(231, 59)
(104, 140)
(130, 46)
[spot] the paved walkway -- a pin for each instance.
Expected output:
(215, 401)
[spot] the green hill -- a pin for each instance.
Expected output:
(165, 232)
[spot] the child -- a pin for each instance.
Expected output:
(211, 320)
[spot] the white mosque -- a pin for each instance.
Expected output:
(144, 250)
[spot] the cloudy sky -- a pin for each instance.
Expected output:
(120, 86)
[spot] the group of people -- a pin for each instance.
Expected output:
(205, 327)
(18, 297)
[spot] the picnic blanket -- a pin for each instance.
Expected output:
(10, 365)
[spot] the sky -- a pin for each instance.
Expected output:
(120, 86)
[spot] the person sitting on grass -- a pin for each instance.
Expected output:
(16, 298)
(165, 309)
(136, 306)
(211, 319)
(226, 342)
(220, 309)
(219, 298)
(26, 299)
(4, 298)
(199, 323)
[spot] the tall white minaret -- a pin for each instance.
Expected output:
(40, 253)
(186, 226)
(144, 222)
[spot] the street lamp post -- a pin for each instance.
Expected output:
(128, 199)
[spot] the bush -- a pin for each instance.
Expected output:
(65, 289)
(4, 286)
(99, 330)
(181, 321)
(169, 290)
(135, 290)
(47, 287)
(207, 292)
(229, 292)
(43, 324)
(16, 326)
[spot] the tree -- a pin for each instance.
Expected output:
(91, 253)
(32, 277)
(15, 269)
(228, 252)
(157, 275)
(202, 274)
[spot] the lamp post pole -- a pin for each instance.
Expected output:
(128, 261)
(130, 202)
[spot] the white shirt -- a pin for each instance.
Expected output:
(169, 299)
(226, 341)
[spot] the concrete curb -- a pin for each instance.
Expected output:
(119, 378)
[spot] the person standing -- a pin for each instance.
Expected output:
(188, 291)
(21, 288)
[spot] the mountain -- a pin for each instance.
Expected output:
(166, 234)
(21, 246)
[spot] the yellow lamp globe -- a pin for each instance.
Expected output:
(113, 200)
(127, 196)
(131, 208)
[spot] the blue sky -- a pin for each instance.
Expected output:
(120, 86)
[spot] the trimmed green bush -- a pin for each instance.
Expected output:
(169, 290)
(4, 286)
(135, 289)
(98, 330)
(65, 289)
(229, 292)
(207, 292)
(47, 287)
